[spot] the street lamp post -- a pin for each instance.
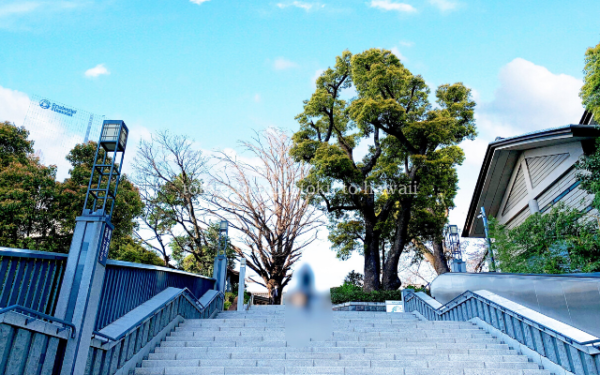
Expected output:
(452, 239)
(491, 261)
(81, 287)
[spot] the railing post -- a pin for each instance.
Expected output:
(82, 285)
(220, 272)
(242, 285)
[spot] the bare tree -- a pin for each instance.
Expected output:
(155, 221)
(169, 174)
(476, 255)
(262, 201)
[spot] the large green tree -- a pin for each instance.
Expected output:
(28, 194)
(37, 212)
(409, 139)
(590, 92)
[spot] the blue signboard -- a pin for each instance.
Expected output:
(104, 245)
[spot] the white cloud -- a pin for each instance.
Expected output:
(405, 43)
(302, 5)
(444, 5)
(257, 98)
(529, 98)
(282, 64)
(13, 106)
(96, 71)
(399, 55)
(11, 9)
(390, 5)
(17, 8)
(198, 1)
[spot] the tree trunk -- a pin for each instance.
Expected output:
(372, 261)
(440, 264)
(391, 281)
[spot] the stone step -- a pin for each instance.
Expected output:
(500, 349)
(285, 363)
(383, 342)
(254, 342)
(335, 356)
(335, 370)
(336, 335)
(365, 349)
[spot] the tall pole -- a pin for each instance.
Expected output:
(83, 279)
(241, 285)
(488, 240)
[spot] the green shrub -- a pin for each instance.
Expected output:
(352, 293)
(230, 297)
(416, 290)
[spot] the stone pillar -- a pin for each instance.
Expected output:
(82, 285)
(242, 285)
(220, 272)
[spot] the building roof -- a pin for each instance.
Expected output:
(499, 162)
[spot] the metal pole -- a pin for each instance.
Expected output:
(488, 240)
(241, 285)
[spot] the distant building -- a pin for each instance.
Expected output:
(530, 173)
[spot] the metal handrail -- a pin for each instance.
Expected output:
(25, 253)
(468, 294)
(40, 316)
(120, 263)
(185, 292)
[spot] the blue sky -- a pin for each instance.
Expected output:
(217, 70)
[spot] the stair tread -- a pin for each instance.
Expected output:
(254, 342)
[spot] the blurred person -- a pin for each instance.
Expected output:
(308, 315)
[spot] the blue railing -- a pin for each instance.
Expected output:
(578, 357)
(30, 279)
(123, 352)
(128, 285)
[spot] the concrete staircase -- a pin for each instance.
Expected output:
(363, 343)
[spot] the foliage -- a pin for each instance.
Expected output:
(370, 202)
(29, 196)
(416, 290)
(14, 145)
(351, 293)
(355, 278)
(38, 213)
(590, 91)
(201, 262)
(562, 240)
(589, 174)
(230, 297)
(129, 249)
(128, 204)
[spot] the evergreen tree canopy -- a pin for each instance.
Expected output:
(408, 173)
